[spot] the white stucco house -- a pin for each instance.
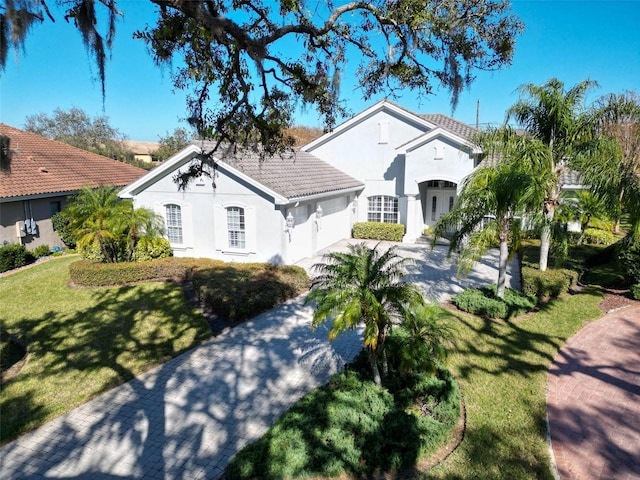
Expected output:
(386, 164)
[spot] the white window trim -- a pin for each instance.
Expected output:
(221, 234)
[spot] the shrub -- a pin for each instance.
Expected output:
(41, 251)
(90, 250)
(474, 301)
(350, 426)
(595, 236)
(635, 291)
(629, 259)
(392, 232)
(152, 248)
(60, 222)
(239, 292)
(93, 274)
(484, 301)
(14, 256)
(550, 283)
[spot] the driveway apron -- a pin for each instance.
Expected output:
(593, 400)
(188, 417)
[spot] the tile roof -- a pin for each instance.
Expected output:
(37, 166)
(452, 125)
(141, 148)
(292, 175)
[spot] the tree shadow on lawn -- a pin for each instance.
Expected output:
(188, 416)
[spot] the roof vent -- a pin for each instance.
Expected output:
(43, 169)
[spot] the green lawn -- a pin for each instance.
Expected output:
(502, 369)
(85, 341)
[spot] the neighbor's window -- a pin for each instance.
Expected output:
(174, 223)
(236, 227)
(383, 208)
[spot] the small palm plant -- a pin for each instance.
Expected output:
(363, 286)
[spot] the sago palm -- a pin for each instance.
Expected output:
(363, 286)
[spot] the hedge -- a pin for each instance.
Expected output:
(597, 236)
(550, 283)
(635, 291)
(484, 301)
(95, 274)
(15, 256)
(392, 232)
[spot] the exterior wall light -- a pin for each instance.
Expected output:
(290, 222)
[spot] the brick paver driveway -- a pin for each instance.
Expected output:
(593, 400)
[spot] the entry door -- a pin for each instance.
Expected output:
(439, 203)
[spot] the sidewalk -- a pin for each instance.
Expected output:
(593, 400)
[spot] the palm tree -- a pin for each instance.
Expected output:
(91, 213)
(582, 206)
(610, 163)
(137, 223)
(493, 198)
(363, 286)
(552, 114)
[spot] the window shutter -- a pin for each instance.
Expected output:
(220, 239)
(251, 229)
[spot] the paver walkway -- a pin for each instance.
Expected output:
(593, 400)
(187, 418)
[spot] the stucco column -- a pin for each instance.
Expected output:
(413, 230)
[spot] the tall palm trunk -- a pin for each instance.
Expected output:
(502, 262)
(373, 361)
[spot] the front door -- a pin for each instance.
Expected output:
(439, 200)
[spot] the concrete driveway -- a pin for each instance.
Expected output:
(187, 418)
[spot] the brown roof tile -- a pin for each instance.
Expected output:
(37, 166)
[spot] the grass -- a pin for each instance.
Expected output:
(502, 369)
(82, 342)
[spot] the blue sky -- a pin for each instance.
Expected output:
(569, 40)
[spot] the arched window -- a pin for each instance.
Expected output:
(236, 227)
(173, 220)
(383, 208)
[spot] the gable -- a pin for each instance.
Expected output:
(293, 176)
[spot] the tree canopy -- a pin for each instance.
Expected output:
(249, 64)
(75, 127)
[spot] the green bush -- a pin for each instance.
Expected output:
(550, 283)
(60, 222)
(96, 274)
(239, 292)
(392, 232)
(41, 251)
(629, 259)
(14, 256)
(90, 249)
(634, 290)
(596, 236)
(350, 426)
(484, 301)
(152, 248)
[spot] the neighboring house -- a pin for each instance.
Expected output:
(386, 164)
(36, 177)
(278, 209)
(142, 151)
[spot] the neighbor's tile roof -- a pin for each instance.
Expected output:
(451, 124)
(37, 165)
(292, 175)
